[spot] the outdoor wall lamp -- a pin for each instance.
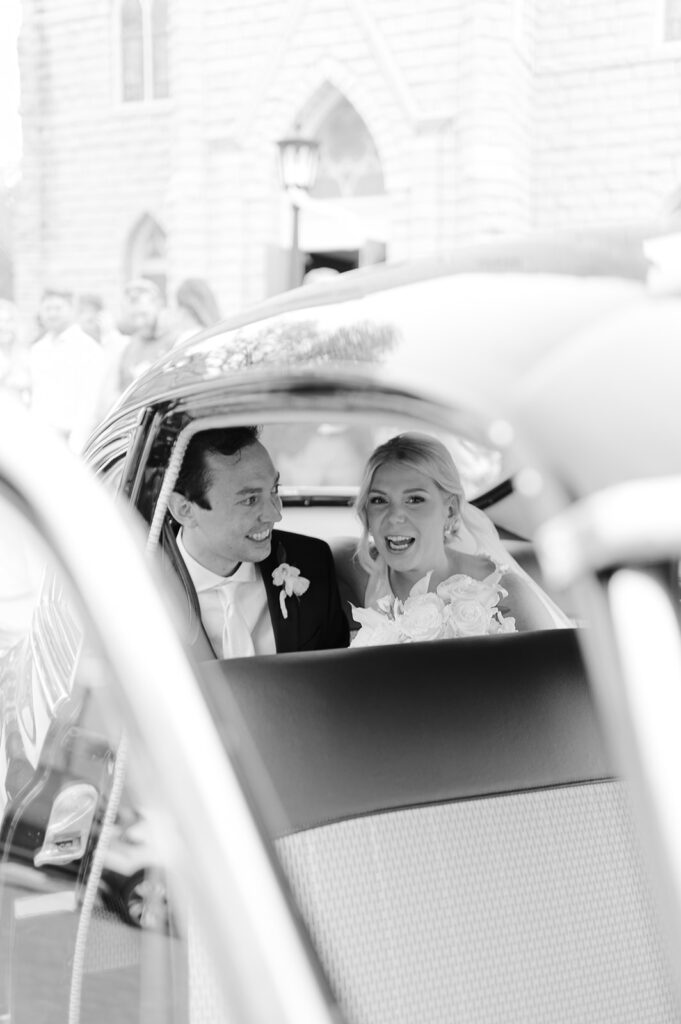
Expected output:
(298, 162)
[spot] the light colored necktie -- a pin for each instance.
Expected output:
(237, 641)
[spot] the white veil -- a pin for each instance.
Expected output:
(477, 535)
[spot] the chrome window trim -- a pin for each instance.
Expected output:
(142, 439)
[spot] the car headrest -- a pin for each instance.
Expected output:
(348, 733)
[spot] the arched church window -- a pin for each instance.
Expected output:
(143, 42)
(159, 47)
(146, 252)
(132, 51)
(672, 20)
(349, 164)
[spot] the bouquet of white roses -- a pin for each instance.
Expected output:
(460, 606)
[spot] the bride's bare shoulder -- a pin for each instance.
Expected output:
(478, 567)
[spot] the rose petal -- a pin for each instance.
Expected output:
(279, 574)
(421, 587)
(367, 616)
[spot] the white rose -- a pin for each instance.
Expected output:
(461, 587)
(468, 617)
(422, 618)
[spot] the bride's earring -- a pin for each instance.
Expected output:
(452, 524)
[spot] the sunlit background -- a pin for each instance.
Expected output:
(151, 133)
(10, 135)
(10, 125)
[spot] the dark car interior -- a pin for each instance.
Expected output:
(450, 824)
(350, 575)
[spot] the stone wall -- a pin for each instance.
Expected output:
(608, 113)
(490, 117)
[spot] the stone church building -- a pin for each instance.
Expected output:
(150, 131)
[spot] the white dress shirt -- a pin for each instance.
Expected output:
(67, 370)
(245, 591)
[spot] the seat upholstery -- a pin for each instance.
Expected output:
(352, 578)
(450, 825)
(370, 729)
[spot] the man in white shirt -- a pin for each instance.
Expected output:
(259, 590)
(66, 368)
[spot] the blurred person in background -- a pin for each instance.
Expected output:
(96, 321)
(14, 372)
(66, 370)
(196, 307)
(151, 332)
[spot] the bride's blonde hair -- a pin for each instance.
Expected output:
(416, 451)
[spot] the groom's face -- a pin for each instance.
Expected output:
(243, 495)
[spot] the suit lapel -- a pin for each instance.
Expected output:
(286, 631)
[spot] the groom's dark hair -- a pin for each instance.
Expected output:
(194, 479)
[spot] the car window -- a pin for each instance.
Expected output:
(87, 919)
(332, 455)
(321, 463)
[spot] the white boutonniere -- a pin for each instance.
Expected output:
(288, 577)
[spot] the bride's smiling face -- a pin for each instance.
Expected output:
(407, 514)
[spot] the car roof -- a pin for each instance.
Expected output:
(565, 341)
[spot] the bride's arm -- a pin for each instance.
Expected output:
(524, 605)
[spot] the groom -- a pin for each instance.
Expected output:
(259, 590)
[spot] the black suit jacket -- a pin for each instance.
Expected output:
(315, 621)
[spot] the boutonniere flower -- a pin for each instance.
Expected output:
(289, 579)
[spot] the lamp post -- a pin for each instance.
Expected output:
(298, 161)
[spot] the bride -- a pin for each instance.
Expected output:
(436, 566)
